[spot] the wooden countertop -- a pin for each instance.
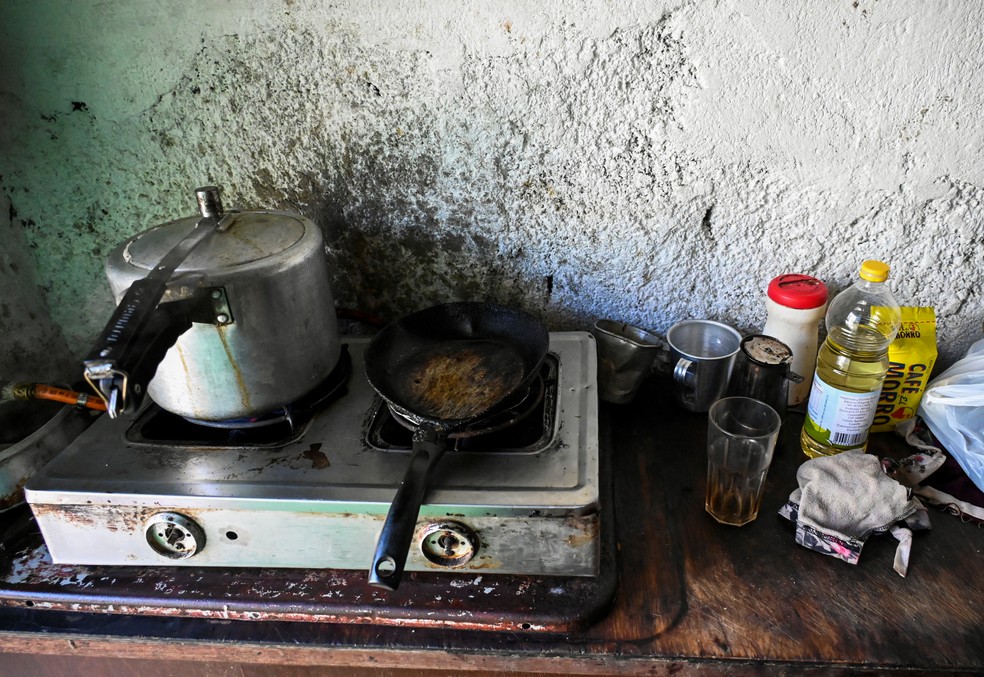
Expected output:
(695, 597)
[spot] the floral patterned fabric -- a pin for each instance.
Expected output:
(847, 549)
(841, 500)
(935, 476)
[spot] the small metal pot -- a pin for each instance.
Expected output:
(762, 371)
(272, 336)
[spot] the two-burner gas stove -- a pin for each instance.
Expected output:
(158, 491)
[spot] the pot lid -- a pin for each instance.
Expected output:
(253, 236)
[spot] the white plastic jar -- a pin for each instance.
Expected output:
(795, 305)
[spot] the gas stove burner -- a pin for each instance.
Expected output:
(526, 405)
(273, 418)
(273, 429)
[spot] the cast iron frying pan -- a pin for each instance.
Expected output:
(445, 368)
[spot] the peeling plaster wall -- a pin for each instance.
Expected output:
(646, 162)
(33, 347)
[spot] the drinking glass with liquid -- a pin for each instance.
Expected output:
(741, 439)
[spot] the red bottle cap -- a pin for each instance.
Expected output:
(798, 291)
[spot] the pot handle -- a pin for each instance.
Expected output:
(401, 520)
(121, 348)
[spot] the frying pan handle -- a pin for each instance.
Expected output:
(401, 520)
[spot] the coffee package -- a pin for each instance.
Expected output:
(911, 357)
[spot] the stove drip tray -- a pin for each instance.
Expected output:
(285, 527)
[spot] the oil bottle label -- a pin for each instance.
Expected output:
(839, 418)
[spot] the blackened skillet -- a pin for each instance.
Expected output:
(444, 368)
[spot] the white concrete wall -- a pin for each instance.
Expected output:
(644, 161)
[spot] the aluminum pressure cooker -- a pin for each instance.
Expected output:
(244, 321)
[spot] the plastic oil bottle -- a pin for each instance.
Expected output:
(861, 322)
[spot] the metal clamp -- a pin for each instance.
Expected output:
(109, 383)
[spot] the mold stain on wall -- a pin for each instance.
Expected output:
(644, 164)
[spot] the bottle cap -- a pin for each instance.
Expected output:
(798, 291)
(874, 271)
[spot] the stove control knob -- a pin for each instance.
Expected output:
(174, 536)
(449, 544)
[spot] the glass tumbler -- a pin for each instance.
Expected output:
(741, 438)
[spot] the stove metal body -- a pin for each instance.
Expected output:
(319, 499)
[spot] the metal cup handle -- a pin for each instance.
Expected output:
(685, 372)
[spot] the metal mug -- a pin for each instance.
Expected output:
(702, 353)
(625, 358)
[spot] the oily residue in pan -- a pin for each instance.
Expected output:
(459, 379)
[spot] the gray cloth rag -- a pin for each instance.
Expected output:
(842, 500)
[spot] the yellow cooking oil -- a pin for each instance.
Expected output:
(854, 365)
(861, 322)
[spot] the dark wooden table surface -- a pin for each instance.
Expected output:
(695, 597)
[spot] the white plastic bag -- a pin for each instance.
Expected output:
(953, 408)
